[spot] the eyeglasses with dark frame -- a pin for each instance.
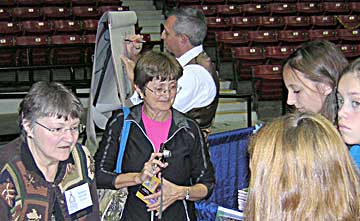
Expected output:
(160, 91)
(62, 130)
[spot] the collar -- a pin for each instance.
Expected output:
(178, 118)
(189, 55)
(30, 165)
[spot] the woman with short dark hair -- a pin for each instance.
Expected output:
(188, 174)
(46, 174)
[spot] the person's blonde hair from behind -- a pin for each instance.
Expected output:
(301, 170)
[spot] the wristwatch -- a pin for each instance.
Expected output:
(187, 195)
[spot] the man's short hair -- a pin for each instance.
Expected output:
(190, 22)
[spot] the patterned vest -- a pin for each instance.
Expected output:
(204, 116)
(29, 196)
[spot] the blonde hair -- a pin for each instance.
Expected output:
(301, 170)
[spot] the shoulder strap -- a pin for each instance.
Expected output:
(124, 136)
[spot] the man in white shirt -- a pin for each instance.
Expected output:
(184, 32)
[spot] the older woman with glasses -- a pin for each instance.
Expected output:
(188, 174)
(46, 174)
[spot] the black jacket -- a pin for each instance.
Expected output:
(190, 162)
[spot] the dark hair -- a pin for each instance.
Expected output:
(320, 61)
(353, 68)
(156, 65)
(48, 99)
(190, 22)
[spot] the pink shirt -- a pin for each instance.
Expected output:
(157, 131)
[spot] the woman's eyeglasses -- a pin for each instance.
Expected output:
(62, 130)
(159, 91)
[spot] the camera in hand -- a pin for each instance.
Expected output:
(152, 185)
(166, 153)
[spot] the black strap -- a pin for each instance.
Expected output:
(107, 59)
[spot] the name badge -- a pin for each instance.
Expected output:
(78, 198)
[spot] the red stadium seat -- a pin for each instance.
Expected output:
(323, 21)
(208, 10)
(56, 12)
(268, 36)
(356, 49)
(293, 36)
(228, 10)
(267, 82)
(348, 21)
(244, 23)
(248, 53)
(271, 22)
(106, 8)
(36, 27)
(70, 51)
(89, 38)
(7, 55)
(255, 9)
(309, 7)
(282, 8)
(5, 14)
(277, 54)
(90, 25)
(25, 13)
(296, 21)
(31, 40)
(67, 26)
(348, 35)
(85, 12)
(348, 50)
(244, 58)
(335, 7)
(65, 39)
(354, 7)
(7, 40)
(215, 24)
(324, 34)
(89, 50)
(9, 28)
(225, 40)
(32, 55)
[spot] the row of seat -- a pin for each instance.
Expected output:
(279, 53)
(263, 66)
(267, 82)
(56, 12)
(282, 22)
(244, 57)
(11, 3)
(279, 36)
(281, 8)
(46, 27)
(178, 3)
(65, 46)
(42, 50)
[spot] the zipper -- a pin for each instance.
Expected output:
(180, 128)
